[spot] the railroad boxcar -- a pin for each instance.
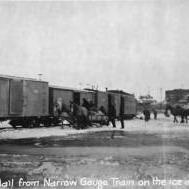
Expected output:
(67, 95)
(63, 95)
(130, 106)
(22, 100)
(118, 99)
(127, 100)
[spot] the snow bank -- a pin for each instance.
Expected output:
(44, 132)
(5, 124)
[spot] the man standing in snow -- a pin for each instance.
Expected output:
(155, 113)
(112, 114)
(146, 113)
(121, 115)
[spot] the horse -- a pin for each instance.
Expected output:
(62, 112)
(81, 114)
(177, 111)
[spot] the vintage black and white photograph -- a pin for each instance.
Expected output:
(94, 94)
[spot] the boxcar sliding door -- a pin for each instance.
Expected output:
(76, 98)
(4, 97)
(16, 97)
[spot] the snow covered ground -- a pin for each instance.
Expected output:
(162, 124)
(157, 149)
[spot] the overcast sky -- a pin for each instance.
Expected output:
(137, 46)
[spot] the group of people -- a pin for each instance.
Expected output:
(147, 113)
(112, 115)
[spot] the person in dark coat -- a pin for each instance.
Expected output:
(121, 116)
(86, 104)
(155, 113)
(146, 113)
(102, 109)
(112, 114)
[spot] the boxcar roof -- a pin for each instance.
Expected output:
(120, 92)
(21, 78)
(69, 89)
(94, 90)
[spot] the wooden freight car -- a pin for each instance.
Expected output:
(64, 96)
(118, 99)
(61, 95)
(130, 106)
(126, 100)
(23, 100)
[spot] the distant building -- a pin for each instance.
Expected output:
(177, 96)
(146, 99)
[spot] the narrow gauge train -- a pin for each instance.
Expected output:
(30, 103)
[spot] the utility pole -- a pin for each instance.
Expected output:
(161, 96)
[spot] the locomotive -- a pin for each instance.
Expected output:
(29, 102)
